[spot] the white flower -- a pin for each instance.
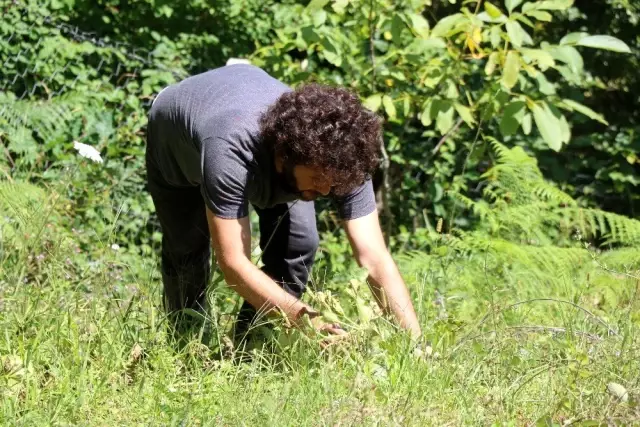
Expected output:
(87, 151)
(115, 246)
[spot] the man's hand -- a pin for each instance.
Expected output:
(231, 241)
(385, 281)
(314, 320)
(334, 330)
(330, 328)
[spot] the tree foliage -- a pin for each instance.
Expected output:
(445, 75)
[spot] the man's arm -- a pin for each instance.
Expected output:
(231, 242)
(384, 279)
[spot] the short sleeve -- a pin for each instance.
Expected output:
(224, 179)
(360, 202)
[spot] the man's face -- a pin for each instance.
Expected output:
(308, 182)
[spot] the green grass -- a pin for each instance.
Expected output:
(84, 342)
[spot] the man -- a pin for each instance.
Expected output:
(235, 136)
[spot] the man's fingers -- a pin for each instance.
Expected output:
(333, 329)
(333, 339)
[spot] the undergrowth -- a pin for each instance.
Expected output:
(530, 318)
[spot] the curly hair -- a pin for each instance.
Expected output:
(327, 128)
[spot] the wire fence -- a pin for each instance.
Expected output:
(62, 87)
(37, 67)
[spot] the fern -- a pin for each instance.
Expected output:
(23, 207)
(27, 124)
(527, 232)
(47, 119)
(520, 206)
(20, 200)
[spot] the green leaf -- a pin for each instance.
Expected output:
(365, 313)
(447, 24)
(309, 35)
(540, 15)
(331, 52)
(496, 36)
(527, 123)
(546, 87)
(511, 69)
(373, 102)
(572, 38)
(548, 5)
(513, 114)
(491, 63)
(389, 107)
(444, 119)
(397, 25)
(330, 316)
(542, 57)
(425, 116)
(568, 55)
(565, 129)
(22, 142)
(419, 25)
(604, 42)
(525, 20)
(317, 4)
(422, 46)
(319, 17)
(485, 17)
(465, 113)
(406, 105)
(493, 11)
(583, 109)
(517, 34)
(452, 90)
(339, 6)
(548, 125)
(515, 37)
(512, 4)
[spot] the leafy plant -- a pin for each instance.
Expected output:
(487, 68)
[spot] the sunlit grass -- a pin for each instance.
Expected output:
(84, 342)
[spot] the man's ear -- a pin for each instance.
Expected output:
(279, 163)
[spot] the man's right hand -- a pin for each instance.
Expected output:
(333, 330)
(231, 241)
(313, 319)
(330, 328)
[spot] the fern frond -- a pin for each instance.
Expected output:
(21, 201)
(46, 118)
(626, 260)
(613, 227)
(521, 206)
(551, 194)
(480, 208)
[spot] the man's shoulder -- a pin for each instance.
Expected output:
(242, 77)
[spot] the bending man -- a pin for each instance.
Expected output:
(235, 136)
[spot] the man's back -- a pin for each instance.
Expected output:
(224, 103)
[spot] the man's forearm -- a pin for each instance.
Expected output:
(261, 291)
(392, 294)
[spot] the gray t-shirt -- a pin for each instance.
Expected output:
(204, 131)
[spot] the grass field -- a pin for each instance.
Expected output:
(84, 342)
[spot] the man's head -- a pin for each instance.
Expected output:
(324, 140)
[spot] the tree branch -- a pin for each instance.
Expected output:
(446, 136)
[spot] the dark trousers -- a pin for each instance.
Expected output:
(288, 239)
